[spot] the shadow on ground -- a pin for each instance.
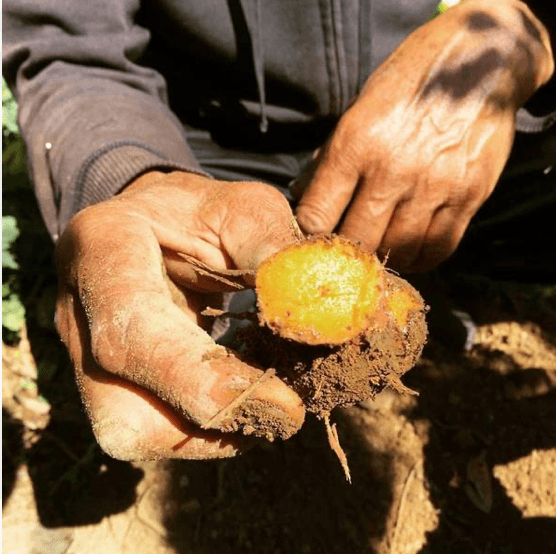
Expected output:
(12, 452)
(290, 497)
(476, 413)
(74, 482)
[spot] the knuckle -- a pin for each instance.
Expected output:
(350, 148)
(313, 219)
(252, 199)
(82, 221)
(464, 200)
(267, 196)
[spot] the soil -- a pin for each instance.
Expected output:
(468, 466)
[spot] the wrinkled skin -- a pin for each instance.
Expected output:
(409, 164)
(149, 375)
(422, 147)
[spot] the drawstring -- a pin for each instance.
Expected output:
(527, 123)
(252, 10)
(365, 44)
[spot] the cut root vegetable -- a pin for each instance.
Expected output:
(343, 327)
(340, 327)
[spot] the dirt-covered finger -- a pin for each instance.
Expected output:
(129, 422)
(151, 342)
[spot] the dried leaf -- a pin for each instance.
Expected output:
(234, 278)
(479, 483)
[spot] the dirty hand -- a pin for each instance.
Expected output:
(129, 311)
(421, 149)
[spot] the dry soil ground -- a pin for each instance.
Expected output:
(469, 466)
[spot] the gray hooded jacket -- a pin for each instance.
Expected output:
(108, 89)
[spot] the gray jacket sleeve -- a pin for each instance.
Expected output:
(92, 118)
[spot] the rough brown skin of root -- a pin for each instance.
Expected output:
(327, 376)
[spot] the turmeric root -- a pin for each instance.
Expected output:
(341, 327)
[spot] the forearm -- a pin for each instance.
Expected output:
(85, 145)
(91, 116)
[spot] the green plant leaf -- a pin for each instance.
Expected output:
(8, 261)
(6, 92)
(13, 313)
(9, 119)
(10, 232)
(9, 111)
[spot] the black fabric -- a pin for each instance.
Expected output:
(513, 235)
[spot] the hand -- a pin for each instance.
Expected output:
(149, 375)
(423, 146)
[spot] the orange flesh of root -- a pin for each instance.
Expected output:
(321, 291)
(400, 304)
